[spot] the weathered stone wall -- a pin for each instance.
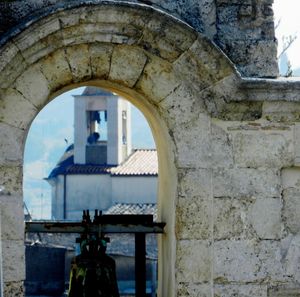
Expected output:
(244, 30)
(228, 147)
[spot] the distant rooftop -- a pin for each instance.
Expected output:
(142, 162)
(133, 208)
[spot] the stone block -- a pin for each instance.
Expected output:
(158, 80)
(79, 61)
(43, 47)
(235, 261)
(271, 256)
(127, 64)
(265, 217)
(13, 252)
(290, 248)
(246, 182)
(290, 177)
(194, 290)
(12, 70)
(284, 292)
(13, 289)
(281, 111)
(11, 180)
(167, 42)
(7, 53)
(100, 54)
(104, 32)
(253, 290)
(194, 218)
(11, 145)
(36, 32)
(230, 218)
(193, 143)
(297, 144)
(20, 117)
(269, 150)
(34, 86)
(12, 218)
(117, 14)
(202, 65)
(291, 209)
(195, 183)
(221, 147)
(56, 69)
(194, 261)
(182, 106)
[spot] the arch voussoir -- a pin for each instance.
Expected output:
(127, 64)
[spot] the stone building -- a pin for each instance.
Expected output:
(104, 172)
(204, 73)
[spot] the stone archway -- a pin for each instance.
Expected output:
(175, 76)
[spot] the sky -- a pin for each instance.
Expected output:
(46, 139)
(286, 14)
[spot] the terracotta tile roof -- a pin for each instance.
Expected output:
(88, 169)
(140, 162)
(133, 208)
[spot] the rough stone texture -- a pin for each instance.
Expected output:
(100, 59)
(291, 209)
(200, 66)
(14, 260)
(33, 85)
(11, 180)
(79, 62)
(246, 182)
(281, 292)
(194, 183)
(221, 147)
(263, 149)
(244, 31)
(266, 218)
(230, 218)
(281, 111)
(12, 116)
(192, 290)
(255, 261)
(11, 146)
(233, 256)
(13, 289)
(12, 222)
(56, 70)
(193, 143)
(158, 80)
(191, 226)
(122, 56)
(182, 106)
(240, 290)
(189, 270)
(291, 199)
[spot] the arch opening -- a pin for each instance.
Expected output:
(108, 105)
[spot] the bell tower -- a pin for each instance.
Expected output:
(102, 128)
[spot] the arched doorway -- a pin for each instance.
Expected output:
(158, 63)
